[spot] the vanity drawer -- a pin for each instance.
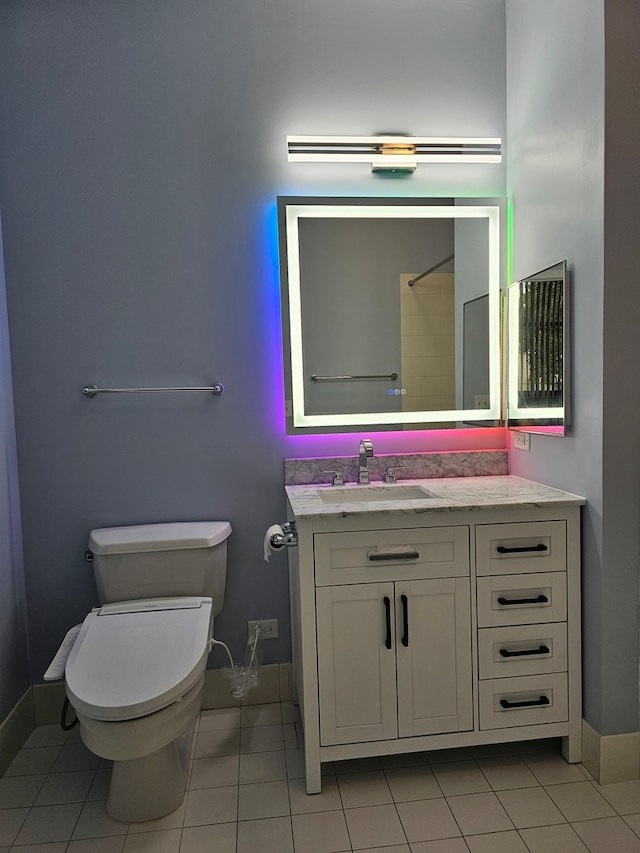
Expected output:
(522, 599)
(522, 650)
(389, 555)
(526, 701)
(506, 549)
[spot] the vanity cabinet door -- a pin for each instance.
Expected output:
(433, 651)
(394, 660)
(356, 663)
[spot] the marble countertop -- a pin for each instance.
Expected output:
(453, 494)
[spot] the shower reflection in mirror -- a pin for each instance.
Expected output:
(538, 341)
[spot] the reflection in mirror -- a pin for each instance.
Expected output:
(538, 352)
(475, 352)
(376, 317)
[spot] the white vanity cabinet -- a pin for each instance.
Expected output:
(424, 627)
(394, 633)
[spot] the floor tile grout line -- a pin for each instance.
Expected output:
(539, 784)
(46, 776)
(635, 832)
(293, 839)
(522, 839)
(443, 796)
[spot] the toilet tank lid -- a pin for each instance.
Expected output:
(172, 536)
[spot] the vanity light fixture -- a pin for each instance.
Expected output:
(393, 153)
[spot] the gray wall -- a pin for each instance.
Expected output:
(14, 665)
(571, 201)
(142, 147)
(621, 403)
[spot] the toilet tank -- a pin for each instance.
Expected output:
(161, 560)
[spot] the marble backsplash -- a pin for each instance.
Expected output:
(409, 466)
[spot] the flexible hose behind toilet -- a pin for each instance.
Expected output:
(245, 677)
(67, 726)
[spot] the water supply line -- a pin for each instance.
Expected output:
(245, 677)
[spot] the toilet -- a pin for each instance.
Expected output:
(135, 674)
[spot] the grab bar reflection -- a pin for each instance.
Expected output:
(217, 389)
(315, 378)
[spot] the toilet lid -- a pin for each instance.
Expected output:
(133, 658)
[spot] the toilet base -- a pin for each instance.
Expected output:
(153, 786)
(150, 757)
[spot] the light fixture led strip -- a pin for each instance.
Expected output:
(294, 213)
(391, 150)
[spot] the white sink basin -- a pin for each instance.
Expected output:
(367, 494)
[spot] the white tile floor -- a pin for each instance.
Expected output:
(246, 795)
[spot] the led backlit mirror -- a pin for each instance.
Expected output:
(391, 313)
(538, 373)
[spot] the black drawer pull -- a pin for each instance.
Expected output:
(532, 703)
(378, 556)
(539, 599)
(502, 549)
(387, 613)
(405, 620)
(505, 653)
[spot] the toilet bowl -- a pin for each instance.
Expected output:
(135, 673)
(135, 677)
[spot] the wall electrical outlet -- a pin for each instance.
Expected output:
(268, 627)
(481, 401)
(521, 440)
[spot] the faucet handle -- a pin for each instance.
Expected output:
(366, 447)
(390, 476)
(338, 477)
(365, 451)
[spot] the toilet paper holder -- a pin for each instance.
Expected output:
(288, 537)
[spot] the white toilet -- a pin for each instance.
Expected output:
(136, 671)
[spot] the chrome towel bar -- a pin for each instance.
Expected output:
(217, 389)
(315, 378)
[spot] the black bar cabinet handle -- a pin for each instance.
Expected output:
(405, 620)
(532, 703)
(502, 549)
(539, 599)
(378, 556)
(542, 650)
(387, 612)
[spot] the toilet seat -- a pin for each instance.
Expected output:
(134, 658)
(126, 740)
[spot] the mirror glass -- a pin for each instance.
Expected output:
(538, 352)
(391, 313)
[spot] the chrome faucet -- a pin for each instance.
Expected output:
(366, 450)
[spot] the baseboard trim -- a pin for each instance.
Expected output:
(611, 758)
(274, 686)
(48, 700)
(16, 728)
